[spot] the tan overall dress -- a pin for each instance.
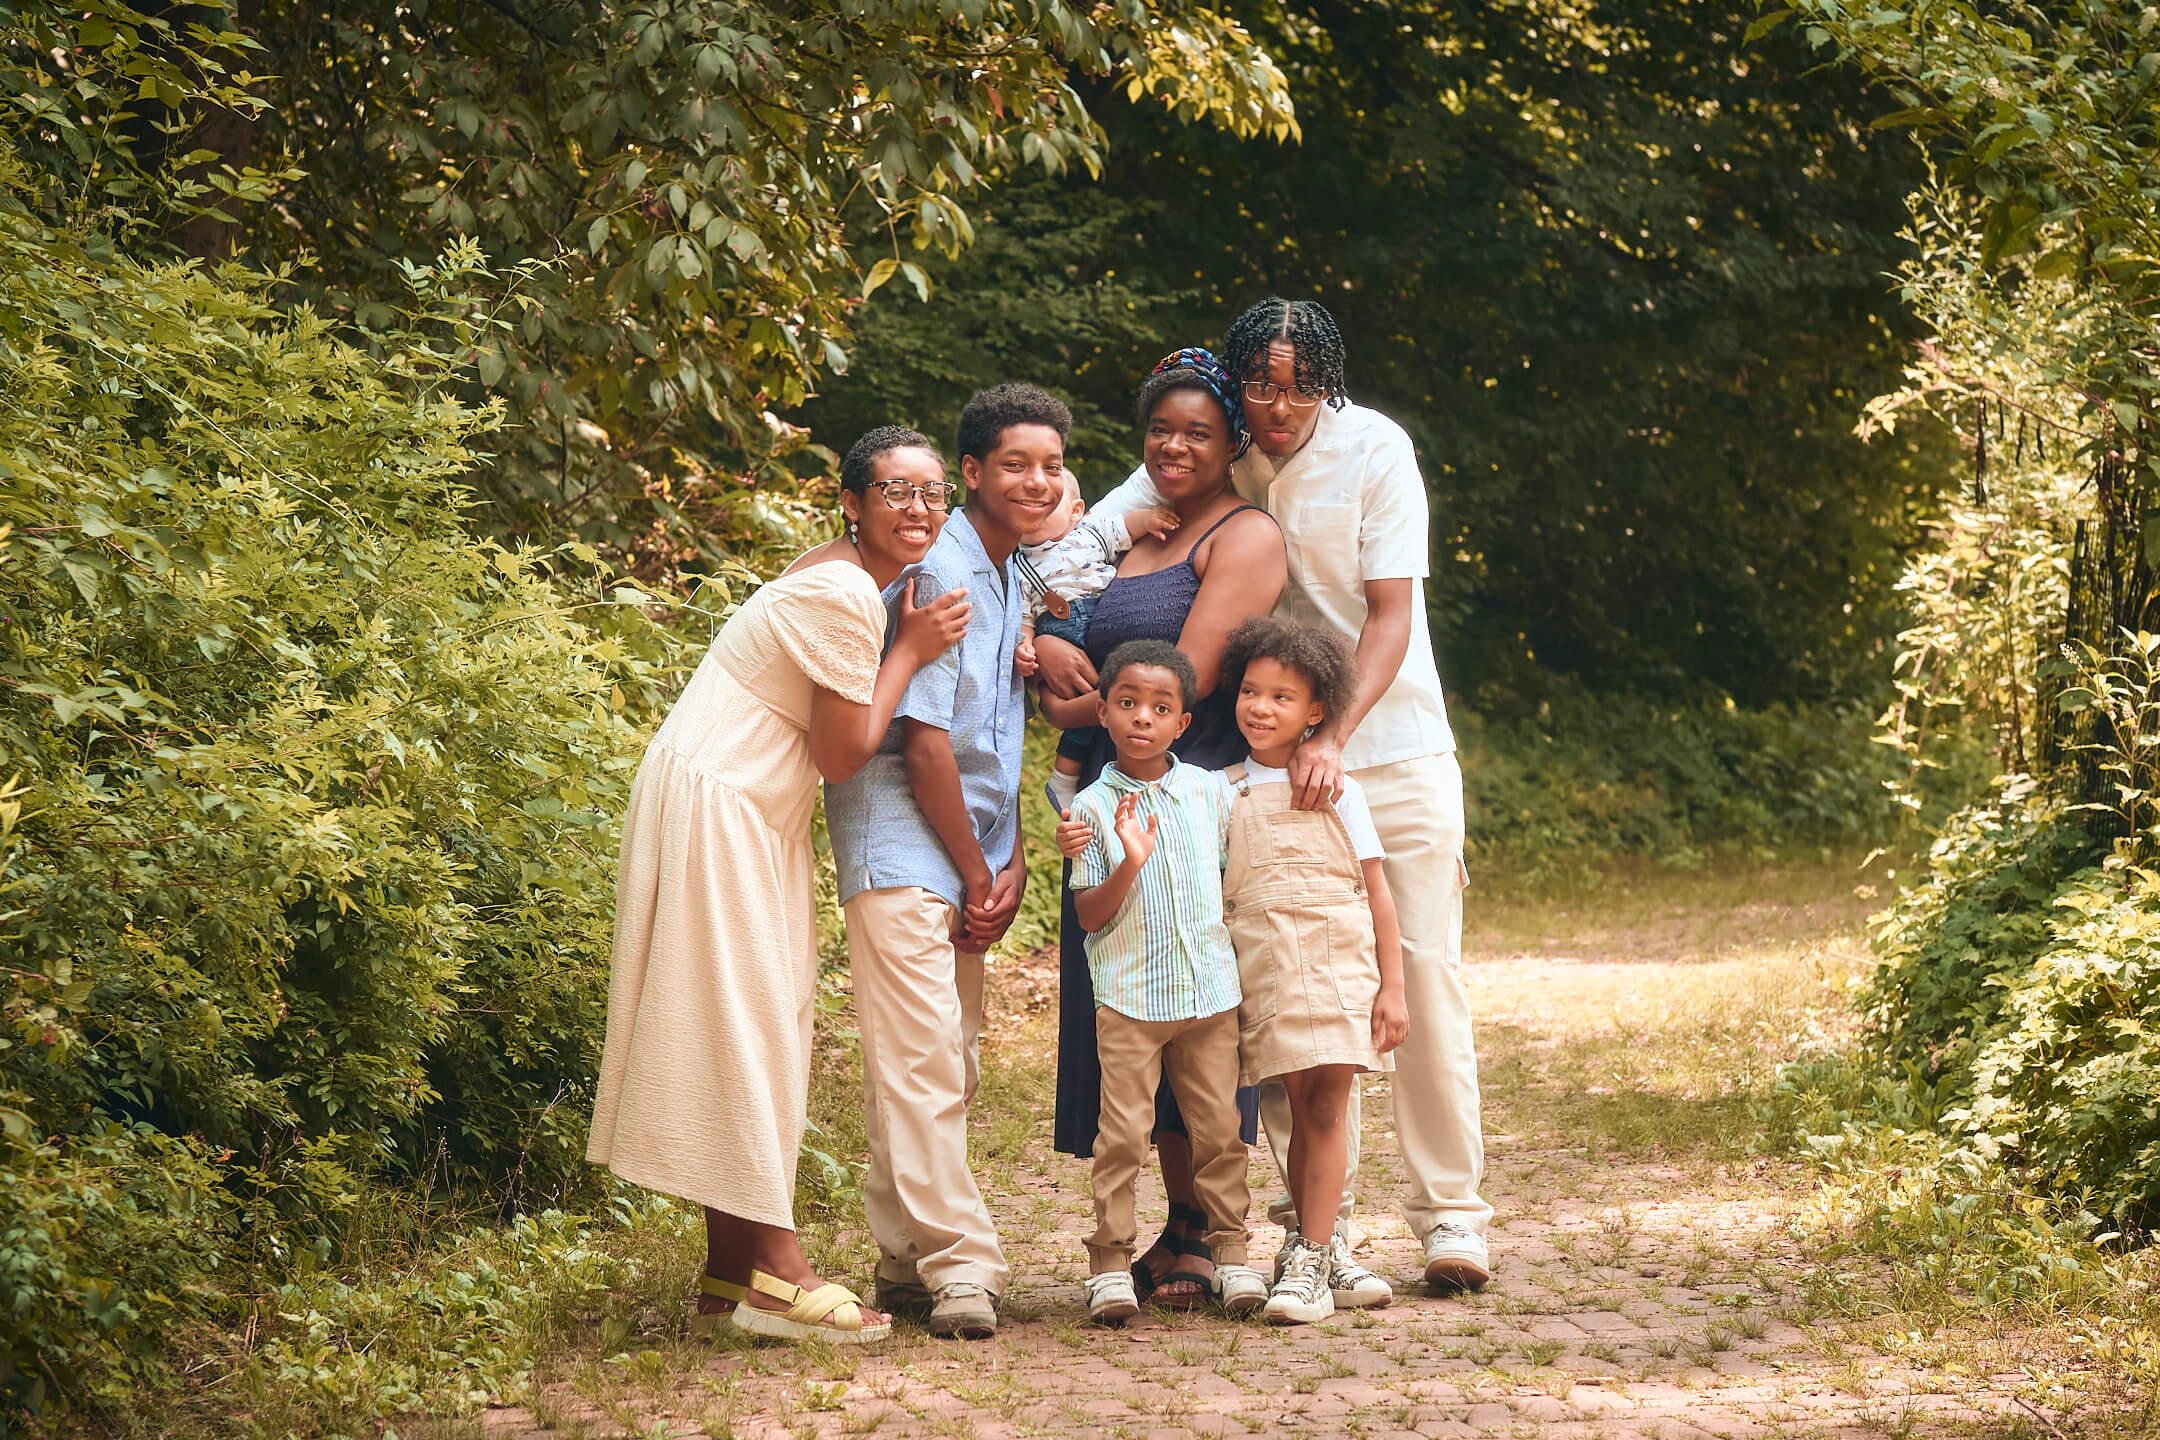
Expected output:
(1294, 899)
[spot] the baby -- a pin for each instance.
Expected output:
(1065, 565)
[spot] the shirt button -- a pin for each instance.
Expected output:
(1229, 906)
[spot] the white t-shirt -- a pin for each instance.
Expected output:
(1364, 837)
(1352, 508)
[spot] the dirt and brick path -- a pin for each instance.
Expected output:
(1648, 1279)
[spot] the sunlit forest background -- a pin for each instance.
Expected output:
(397, 396)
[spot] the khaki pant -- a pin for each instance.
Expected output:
(1417, 808)
(918, 1003)
(1202, 1058)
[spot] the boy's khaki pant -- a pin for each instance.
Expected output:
(918, 1003)
(1202, 1058)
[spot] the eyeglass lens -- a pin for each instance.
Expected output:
(899, 496)
(1262, 392)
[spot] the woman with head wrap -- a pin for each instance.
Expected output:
(1223, 565)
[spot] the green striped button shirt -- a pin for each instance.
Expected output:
(1166, 954)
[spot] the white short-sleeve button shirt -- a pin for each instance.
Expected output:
(1352, 508)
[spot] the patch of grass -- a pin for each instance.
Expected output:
(1660, 1053)
(1544, 1352)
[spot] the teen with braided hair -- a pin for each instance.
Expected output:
(1343, 482)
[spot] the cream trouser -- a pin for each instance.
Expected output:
(1417, 807)
(918, 1003)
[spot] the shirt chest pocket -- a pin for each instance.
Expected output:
(1326, 537)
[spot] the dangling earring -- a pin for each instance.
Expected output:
(854, 533)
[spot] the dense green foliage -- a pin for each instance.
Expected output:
(310, 788)
(1620, 276)
(2017, 980)
(681, 165)
(1590, 774)
(313, 795)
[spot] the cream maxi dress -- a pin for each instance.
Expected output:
(705, 1078)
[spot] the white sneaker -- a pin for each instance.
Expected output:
(1290, 1232)
(1456, 1258)
(1354, 1287)
(1110, 1298)
(1302, 1295)
(1239, 1289)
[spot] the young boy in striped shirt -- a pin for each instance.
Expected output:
(1148, 890)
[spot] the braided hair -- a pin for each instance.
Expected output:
(1311, 332)
(1193, 368)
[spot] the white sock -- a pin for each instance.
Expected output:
(1064, 787)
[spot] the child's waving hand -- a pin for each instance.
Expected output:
(1139, 842)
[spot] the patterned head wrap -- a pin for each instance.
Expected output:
(1201, 363)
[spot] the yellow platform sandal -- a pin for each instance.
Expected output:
(703, 1325)
(832, 1313)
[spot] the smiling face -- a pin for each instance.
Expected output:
(888, 538)
(1187, 451)
(1275, 707)
(1144, 711)
(1280, 428)
(1015, 486)
(1063, 516)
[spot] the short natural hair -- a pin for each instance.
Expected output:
(1159, 653)
(994, 411)
(860, 462)
(1321, 655)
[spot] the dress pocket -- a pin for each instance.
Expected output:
(1259, 988)
(1327, 544)
(1357, 976)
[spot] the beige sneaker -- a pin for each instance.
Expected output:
(966, 1312)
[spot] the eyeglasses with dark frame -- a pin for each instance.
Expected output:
(1263, 392)
(899, 494)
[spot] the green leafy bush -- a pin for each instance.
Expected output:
(2071, 1084)
(332, 1353)
(1981, 914)
(1617, 774)
(107, 1237)
(311, 883)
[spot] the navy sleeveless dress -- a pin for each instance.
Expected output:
(1134, 607)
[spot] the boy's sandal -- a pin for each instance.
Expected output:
(1239, 1289)
(704, 1324)
(1110, 1297)
(832, 1313)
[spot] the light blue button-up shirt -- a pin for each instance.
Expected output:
(1166, 954)
(880, 837)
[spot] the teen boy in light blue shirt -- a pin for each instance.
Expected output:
(925, 840)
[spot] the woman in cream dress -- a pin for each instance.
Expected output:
(705, 1078)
